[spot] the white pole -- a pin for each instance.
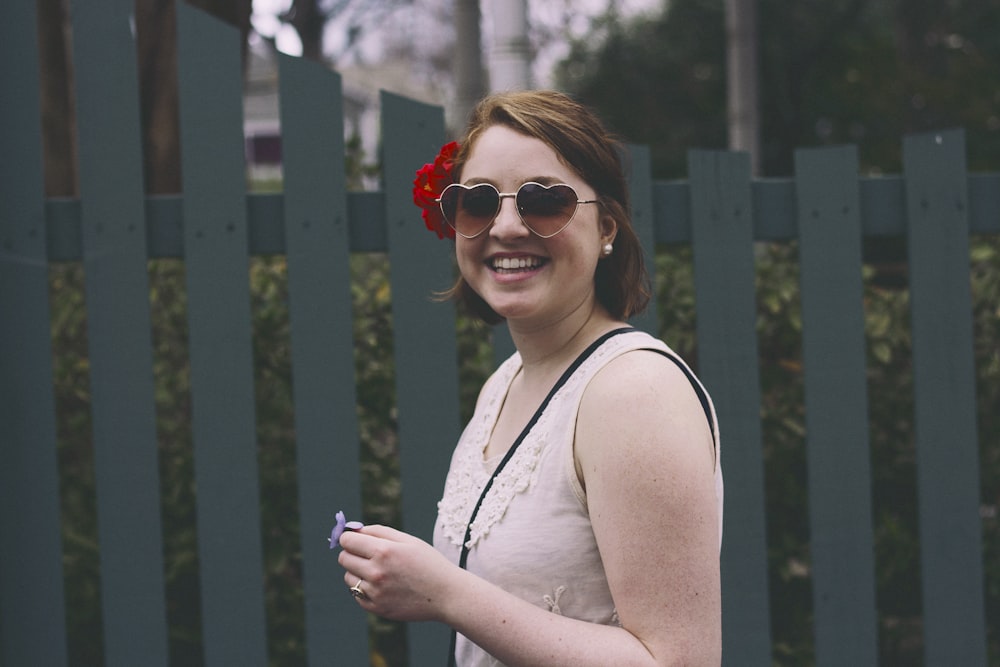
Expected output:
(741, 79)
(510, 57)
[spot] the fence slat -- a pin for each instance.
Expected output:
(984, 203)
(722, 231)
(937, 203)
(423, 334)
(32, 600)
(319, 287)
(640, 185)
(836, 401)
(222, 382)
(119, 336)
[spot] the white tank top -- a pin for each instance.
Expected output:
(532, 535)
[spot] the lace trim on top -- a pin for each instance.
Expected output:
(470, 473)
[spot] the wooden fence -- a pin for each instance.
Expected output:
(113, 229)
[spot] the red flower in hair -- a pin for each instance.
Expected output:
(430, 182)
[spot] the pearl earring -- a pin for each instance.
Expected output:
(607, 249)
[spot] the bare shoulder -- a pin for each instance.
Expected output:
(641, 403)
(643, 379)
(640, 371)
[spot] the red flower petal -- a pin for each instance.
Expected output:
(430, 182)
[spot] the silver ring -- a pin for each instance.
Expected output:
(356, 590)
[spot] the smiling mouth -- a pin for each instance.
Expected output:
(515, 264)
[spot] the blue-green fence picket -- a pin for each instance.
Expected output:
(32, 600)
(215, 227)
(119, 339)
(218, 302)
(722, 236)
(315, 210)
(944, 395)
(840, 504)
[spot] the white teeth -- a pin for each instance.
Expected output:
(515, 263)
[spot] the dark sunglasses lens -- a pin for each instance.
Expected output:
(470, 210)
(546, 210)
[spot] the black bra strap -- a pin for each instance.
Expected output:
(464, 556)
(698, 389)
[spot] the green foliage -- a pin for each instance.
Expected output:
(830, 72)
(986, 331)
(172, 378)
(76, 462)
(673, 287)
(779, 331)
(657, 82)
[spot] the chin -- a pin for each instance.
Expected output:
(510, 310)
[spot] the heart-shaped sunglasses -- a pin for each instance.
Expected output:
(544, 209)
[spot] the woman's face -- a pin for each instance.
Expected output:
(529, 280)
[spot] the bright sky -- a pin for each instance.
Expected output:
(423, 19)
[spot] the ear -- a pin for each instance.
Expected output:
(609, 229)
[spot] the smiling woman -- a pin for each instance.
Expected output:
(544, 551)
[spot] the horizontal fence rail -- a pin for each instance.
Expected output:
(215, 227)
(883, 214)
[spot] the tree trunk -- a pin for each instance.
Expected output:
(58, 114)
(156, 37)
(156, 28)
(308, 20)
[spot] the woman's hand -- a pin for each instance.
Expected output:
(403, 578)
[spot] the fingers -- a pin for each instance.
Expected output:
(383, 532)
(365, 542)
(358, 555)
(393, 574)
(355, 565)
(359, 544)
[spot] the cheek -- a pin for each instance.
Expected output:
(465, 254)
(581, 250)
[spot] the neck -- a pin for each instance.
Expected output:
(553, 346)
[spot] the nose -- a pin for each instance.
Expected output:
(508, 223)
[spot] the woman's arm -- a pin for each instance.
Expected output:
(646, 456)
(645, 453)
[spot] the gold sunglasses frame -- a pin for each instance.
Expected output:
(511, 195)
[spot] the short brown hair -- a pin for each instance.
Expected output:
(580, 140)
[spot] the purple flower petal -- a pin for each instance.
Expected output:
(342, 525)
(338, 530)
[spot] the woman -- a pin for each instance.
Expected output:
(596, 541)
